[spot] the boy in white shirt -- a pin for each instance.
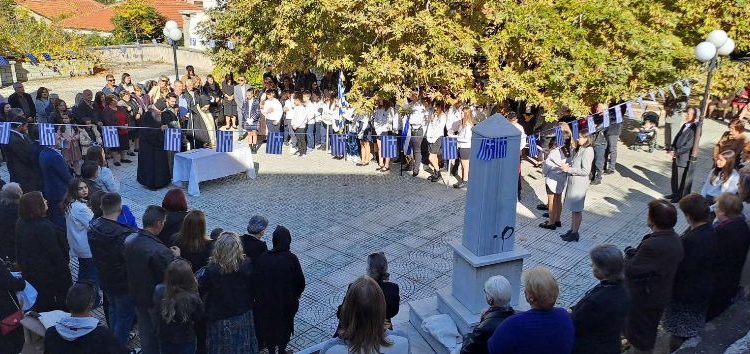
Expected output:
(299, 123)
(311, 110)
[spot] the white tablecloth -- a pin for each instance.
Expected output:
(200, 165)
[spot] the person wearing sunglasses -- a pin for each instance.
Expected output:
(110, 87)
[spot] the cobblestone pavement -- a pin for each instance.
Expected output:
(339, 213)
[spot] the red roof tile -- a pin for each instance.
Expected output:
(98, 20)
(57, 10)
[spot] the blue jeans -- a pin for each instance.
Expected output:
(321, 133)
(599, 154)
(87, 272)
(181, 348)
(121, 316)
(310, 136)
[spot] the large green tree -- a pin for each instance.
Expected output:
(547, 52)
(137, 20)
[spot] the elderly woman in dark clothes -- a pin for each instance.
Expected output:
(733, 240)
(598, 318)
(278, 299)
(497, 291)
(686, 313)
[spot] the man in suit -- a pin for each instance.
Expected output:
(682, 147)
(56, 176)
(18, 154)
(21, 99)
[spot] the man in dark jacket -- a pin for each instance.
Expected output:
(55, 175)
(599, 139)
(80, 333)
(18, 154)
(682, 148)
(649, 275)
(21, 99)
(85, 111)
(107, 241)
(612, 135)
(598, 318)
(146, 259)
(251, 242)
(497, 290)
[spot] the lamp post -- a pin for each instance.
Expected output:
(173, 33)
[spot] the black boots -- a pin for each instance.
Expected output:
(435, 177)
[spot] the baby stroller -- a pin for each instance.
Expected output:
(646, 136)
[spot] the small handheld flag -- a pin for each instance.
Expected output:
(4, 132)
(388, 147)
(224, 141)
(629, 108)
(342, 99)
(275, 143)
(47, 134)
(574, 128)
(533, 148)
(618, 114)
(559, 139)
(450, 147)
(406, 133)
(338, 145)
(172, 139)
(109, 137)
(494, 148)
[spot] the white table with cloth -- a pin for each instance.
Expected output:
(200, 165)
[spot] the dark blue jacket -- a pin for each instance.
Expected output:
(55, 174)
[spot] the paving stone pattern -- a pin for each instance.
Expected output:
(339, 213)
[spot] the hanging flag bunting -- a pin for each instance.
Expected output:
(4, 61)
(618, 114)
(574, 128)
(342, 99)
(661, 94)
(686, 87)
(652, 96)
(605, 118)
(275, 143)
(230, 45)
(338, 145)
(193, 41)
(641, 103)
(533, 148)
(450, 147)
(388, 147)
(138, 45)
(559, 138)
(172, 139)
(123, 50)
(154, 41)
(110, 139)
(629, 108)
(492, 148)
(46, 56)
(33, 58)
(590, 125)
(671, 90)
(4, 132)
(212, 44)
(47, 134)
(224, 141)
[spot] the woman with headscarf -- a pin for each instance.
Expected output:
(282, 282)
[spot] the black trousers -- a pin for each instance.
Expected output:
(416, 147)
(668, 136)
(610, 162)
(682, 180)
(301, 136)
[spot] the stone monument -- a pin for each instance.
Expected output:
(487, 245)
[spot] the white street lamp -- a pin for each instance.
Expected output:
(172, 32)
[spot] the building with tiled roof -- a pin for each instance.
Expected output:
(58, 10)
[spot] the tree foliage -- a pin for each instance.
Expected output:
(137, 20)
(547, 52)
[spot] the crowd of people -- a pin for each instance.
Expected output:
(191, 291)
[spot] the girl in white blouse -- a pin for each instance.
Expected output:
(464, 144)
(723, 178)
(435, 130)
(383, 124)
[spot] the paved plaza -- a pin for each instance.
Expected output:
(339, 213)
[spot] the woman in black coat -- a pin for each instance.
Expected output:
(497, 292)
(733, 240)
(175, 201)
(42, 253)
(9, 197)
(9, 285)
(282, 282)
(685, 315)
(599, 317)
(153, 160)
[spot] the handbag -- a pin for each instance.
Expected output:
(11, 322)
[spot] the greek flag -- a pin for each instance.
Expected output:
(342, 100)
(109, 137)
(4, 61)
(605, 118)
(211, 44)
(492, 148)
(275, 143)
(230, 45)
(450, 147)
(533, 148)
(224, 141)
(652, 96)
(172, 139)
(661, 93)
(641, 103)
(34, 59)
(590, 125)
(629, 108)
(618, 114)
(686, 87)
(671, 90)
(388, 147)
(559, 139)
(574, 128)
(47, 134)
(4, 132)
(46, 56)
(338, 145)
(406, 133)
